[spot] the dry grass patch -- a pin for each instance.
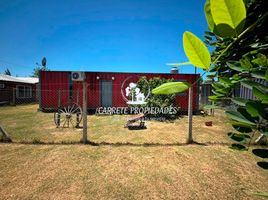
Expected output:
(128, 167)
(86, 172)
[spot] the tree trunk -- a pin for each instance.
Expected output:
(190, 116)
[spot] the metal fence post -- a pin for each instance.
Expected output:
(190, 116)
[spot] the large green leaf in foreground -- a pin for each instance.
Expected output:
(238, 117)
(171, 88)
(196, 51)
(207, 10)
(229, 16)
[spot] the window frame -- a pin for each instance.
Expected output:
(24, 92)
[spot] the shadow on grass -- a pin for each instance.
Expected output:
(123, 144)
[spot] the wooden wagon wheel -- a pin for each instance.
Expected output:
(70, 115)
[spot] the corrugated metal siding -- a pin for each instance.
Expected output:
(241, 91)
(53, 85)
(247, 93)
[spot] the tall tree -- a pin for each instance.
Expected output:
(7, 72)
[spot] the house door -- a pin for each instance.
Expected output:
(106, 93)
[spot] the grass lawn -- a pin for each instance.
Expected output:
(25, 124)
(142, 164)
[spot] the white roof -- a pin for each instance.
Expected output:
(30, 80)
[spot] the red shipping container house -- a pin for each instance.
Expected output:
(104, 89)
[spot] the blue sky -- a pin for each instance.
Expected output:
(97, 35)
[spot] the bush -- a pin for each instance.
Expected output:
(156, 101)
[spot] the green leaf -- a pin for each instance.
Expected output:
(266, 75)
(207, 10)
(264, 131)
(241, 124)
(239, 147)
(235, 66)
(258, 75)
(239, 101)
(212, 107)
(254, 109)
(260, 94)
(236, 77)
(238, 117)
(262, 153)
(263, 164)
(261, 60)
(245, 63)
(225, 80)
(179, 64)
(265, 101)
(218, 86)
(171, 88)
(215, 98)
(207, 37)
(229, 16)
(242, 129)
(244, 112)
(261, 194)
(196, 51)
(250, 84)
(223, 91)
(238, 137)
(208, 32)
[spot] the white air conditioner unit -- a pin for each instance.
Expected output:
(78, 76)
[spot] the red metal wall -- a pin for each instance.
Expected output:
(53, 82)
(53, 86)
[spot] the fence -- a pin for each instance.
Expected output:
(205, 92)
(241, 91)
(109, 108)
(246, 93)
(59, 117)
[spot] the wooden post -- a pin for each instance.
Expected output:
(5, 136)
(190, 116)
(84, 139)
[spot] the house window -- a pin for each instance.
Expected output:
(24, 91)
(2, 85)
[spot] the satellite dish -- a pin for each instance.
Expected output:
(44, 62)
